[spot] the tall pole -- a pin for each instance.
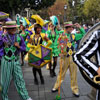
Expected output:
(64, 15)
(65, 8)
(27, 12)
(73, 10)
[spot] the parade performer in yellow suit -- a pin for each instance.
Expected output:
(67, 61)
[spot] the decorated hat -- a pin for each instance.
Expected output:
(3, 15)
(38, 19)
(54, 20)
(10, 24)
(66, 24)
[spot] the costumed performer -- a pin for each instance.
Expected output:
(25, 35)
(68, 61)
(35, 40)
(53, 35)
(12, 44)
(3, 18)
(83, 57)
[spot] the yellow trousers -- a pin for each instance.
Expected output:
(67, 63)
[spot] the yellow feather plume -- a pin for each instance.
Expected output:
(38, 19)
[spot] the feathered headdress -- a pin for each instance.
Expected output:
(54, 20)
(38, 19)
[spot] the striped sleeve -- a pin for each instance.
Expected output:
(87, 50)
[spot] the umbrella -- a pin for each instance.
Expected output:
(39, 57)
(3, 15)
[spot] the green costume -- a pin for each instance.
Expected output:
(43, 31)
(10, 66)
(25, 37)
(78, 36)
(73, 38)
(67, 62)
(54, 38)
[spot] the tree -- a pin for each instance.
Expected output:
(58, 9)
(39, 4)
(16, 6)
(12, 6)
(76, 10)
(92, 9)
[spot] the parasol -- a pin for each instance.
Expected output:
(40, 56)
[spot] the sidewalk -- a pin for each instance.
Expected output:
(43, 92)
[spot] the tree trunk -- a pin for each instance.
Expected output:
(13, 16)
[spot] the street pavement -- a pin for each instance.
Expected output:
(43, 92)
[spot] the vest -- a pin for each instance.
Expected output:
(10, 51)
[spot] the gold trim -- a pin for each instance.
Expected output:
(97, 82)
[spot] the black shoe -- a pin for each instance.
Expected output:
(54, 90)
(54, 74)
(42, 80)
(76, 94)
(22, 64)
(51, 74)
(36, 82)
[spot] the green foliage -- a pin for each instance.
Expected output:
(42, 4)
(9, 5)
(76, 11)
(18, 5)
(92, 8)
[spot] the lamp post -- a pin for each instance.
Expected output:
(73, 10)
(65, 8)
(28, 10)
